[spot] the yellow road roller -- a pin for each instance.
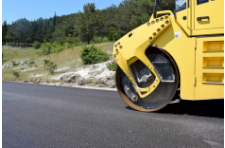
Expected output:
(177, 53)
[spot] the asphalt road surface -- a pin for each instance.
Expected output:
(63, 117)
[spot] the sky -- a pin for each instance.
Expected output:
(13, 10)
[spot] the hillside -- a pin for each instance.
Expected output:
(30, 67)
(91, 25)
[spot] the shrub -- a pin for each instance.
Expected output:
(60, 40)
(57, 47)
(50, 66)
(112, 66)
(54, 46)
(25, 62)
(36, 44)
(98, 39)
(105, 39)
(67, 45)
(92, 55)
(16, 74)
(31, 63)
(70, 40)
(46, 48)
(14, 63)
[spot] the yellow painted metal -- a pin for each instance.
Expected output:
(214, 9)
(182, 49)
(185, 24)
(213, 62)
(198, 59)
(209, 68)
(133, 45)
(213, 46)
(179, 48)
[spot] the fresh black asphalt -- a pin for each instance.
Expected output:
(38, 116)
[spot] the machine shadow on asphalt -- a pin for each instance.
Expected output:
(212, 108)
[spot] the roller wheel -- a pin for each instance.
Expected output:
(165, 91)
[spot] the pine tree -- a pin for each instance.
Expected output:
(4, 32)
(86, 22)
(54, 20)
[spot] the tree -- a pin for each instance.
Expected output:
(167, 5)
(4, 32)
(50, 66)
(20, 32)
(113, 34)
(54, 19)
(70, 40)
(86, 23)
(112, 22)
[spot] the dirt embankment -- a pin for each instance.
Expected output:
(70, 70)
(75, 80)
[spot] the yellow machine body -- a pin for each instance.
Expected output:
(193, 37)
